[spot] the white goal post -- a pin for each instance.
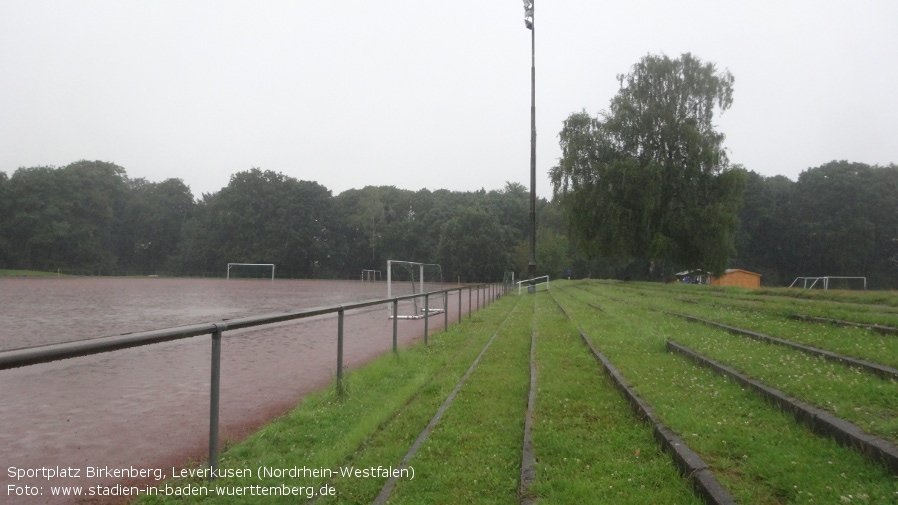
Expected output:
(414, 278)
(825, 284)
(231, 265)
(371, 275)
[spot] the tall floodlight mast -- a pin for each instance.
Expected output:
(528, 22)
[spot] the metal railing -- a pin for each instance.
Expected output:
(44, 354)
(533, 283)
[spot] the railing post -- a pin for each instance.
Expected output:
(479, 288)
(340, 349)
(446, 310)
(426, 314)
(469, 302)
(214, 401)
(395, 313)
(459, 305)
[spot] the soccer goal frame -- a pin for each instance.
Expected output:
(825, 281)
(420, 279)
(372, 275)
(251, 265)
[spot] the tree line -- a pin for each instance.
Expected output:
(89, 217)
(642, 190)
(838, 219)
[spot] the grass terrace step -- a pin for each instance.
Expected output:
(474, 454)
(872, 307)
(860, 397)
(759, 453)
(388, 402)
(850, 341)
(819, 420)
(590, 446)
(883, 371)
(885, 330)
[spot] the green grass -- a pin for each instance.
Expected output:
(474, 453)
(590, 448)
(326, 431)
(857, 396)
(771, 320)
(870, 307)
(758, 452)
(852, 394)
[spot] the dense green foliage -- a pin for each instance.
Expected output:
(839, 219)
(649, 178)
(91, 218)
(646, 187)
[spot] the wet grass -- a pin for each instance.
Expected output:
(328, 432)
(772, 320)
(589, 446)
(870, 307)
(757, 451)
(474, 454)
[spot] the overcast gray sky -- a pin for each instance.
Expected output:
(421, 94)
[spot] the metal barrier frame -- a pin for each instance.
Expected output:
(44, 354)
(533, 282)
(826, 279)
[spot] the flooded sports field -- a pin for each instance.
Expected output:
(148, 407)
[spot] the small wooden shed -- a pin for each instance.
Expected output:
(738, 277)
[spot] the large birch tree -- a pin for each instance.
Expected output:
(649, 178)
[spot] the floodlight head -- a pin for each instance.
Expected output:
(528, 14)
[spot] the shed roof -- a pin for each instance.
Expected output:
(731, 270)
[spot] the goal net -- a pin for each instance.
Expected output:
(250, 271)
(411, 278)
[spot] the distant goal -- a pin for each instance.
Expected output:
(372, 275)
(250, 271)
(413, 278)
(830, 282)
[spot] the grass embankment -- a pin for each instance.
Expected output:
(865, 399)
(589, 446)
(757, 451)
(849, 341)
(326, 431)
(870, 307)
(473, 455)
